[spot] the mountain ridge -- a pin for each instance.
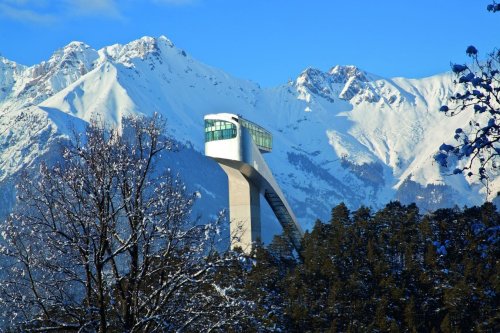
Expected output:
(340, 135)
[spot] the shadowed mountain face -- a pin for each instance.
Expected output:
(342, 135)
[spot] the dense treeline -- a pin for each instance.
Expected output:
(393, 270)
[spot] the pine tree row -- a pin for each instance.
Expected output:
(393, 270)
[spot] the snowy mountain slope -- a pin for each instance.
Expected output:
(342, 135)
(24, 86)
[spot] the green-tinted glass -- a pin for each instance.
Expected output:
(219, 130)
(261, 137)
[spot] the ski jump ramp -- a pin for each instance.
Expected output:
(237, 145)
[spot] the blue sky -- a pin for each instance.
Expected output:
(267, 41)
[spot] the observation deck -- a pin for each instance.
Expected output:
(237, 144)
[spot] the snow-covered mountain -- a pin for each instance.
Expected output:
(342, 135)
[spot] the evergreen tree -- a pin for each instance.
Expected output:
(391, 271)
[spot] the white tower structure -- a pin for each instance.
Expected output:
(237, 145)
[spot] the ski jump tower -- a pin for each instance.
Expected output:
(237, 145)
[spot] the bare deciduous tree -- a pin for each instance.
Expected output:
(103, 241)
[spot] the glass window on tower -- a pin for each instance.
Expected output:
(262, 138)
(219, 130)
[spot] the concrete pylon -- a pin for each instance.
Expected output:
(244, 210)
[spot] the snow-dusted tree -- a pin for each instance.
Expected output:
(478, 141)
(103, 241)
(493, 7)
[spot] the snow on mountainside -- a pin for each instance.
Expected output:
(342, 135)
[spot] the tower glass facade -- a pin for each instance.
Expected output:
(262, 138)
(219, 130)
